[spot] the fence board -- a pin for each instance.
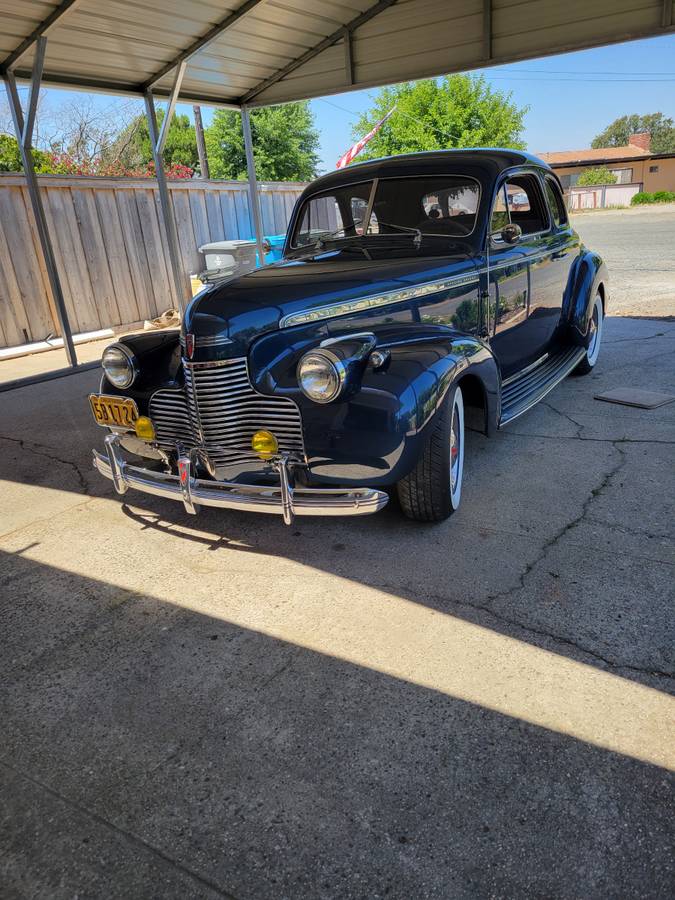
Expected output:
(110, 246)
(113, 240)
(37, 318)
(84, 206)
(136, 256)
(81, 311)
(15, 325)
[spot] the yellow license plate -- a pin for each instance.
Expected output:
(113, 411)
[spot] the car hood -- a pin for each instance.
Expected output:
(238, 311)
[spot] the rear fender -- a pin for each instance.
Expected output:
(587, 276)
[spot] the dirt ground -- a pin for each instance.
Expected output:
(638, 245)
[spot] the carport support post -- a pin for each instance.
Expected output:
(157, 142)
(24, 136)
(254, 198)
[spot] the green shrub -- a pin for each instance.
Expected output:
(599, 175)
(657, 197)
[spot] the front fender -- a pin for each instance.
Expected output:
(588, 275)
(159, 365)
(375, 436)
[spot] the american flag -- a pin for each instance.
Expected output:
(346, 158)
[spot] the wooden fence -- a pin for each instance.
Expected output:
(110, 246)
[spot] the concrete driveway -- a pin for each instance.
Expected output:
(226, 707)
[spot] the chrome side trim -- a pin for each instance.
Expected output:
(286, 501)
(524, 371)
(348, 307)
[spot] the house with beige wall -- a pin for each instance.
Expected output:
(634, 164)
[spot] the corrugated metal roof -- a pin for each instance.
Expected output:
(122, 45)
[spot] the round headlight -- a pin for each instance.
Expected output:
(321, 376)
(119, 365)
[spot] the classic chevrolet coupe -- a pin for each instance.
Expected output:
(415, 293)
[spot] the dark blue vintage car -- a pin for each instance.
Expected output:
(415, 293)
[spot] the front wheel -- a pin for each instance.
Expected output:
(432, 491)
(587, 364)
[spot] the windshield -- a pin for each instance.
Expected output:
(430, 205)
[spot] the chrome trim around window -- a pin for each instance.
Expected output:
(402, 295)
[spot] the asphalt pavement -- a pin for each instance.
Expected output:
(638, 245)
(227, 707)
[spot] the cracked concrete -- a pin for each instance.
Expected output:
(226, 707)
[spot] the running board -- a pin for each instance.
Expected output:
(523, 391)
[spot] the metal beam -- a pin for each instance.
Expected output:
(23, 137)
(9, 61)
(38, 66)
(179, 281)
(173, 98)
(327, 42)
(202, 42)
(254, 199)
(349, 59)
(487, 29)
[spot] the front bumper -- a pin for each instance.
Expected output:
(284, 500)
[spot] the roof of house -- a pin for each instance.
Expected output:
(600, 155)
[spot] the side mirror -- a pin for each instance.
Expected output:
(511, 233)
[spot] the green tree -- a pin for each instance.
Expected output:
(438, 114)
(660, 127)
(133, 150)
(10, 158)
(599, 175)
(285, 143)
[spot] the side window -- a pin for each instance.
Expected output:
(555, 202)
(519, 201)
(500, 212)
(525, 204)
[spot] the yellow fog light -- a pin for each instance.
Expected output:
(145, 430)
(264, 444)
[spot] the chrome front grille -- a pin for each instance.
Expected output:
(220, 412)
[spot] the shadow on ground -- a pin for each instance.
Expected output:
(223, 706)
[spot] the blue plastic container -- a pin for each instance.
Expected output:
(276, 242)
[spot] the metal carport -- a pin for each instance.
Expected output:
(243, 54)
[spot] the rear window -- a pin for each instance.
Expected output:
(445, 205)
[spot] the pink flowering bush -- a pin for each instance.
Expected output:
(64, 164)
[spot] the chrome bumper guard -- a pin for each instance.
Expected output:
(285, 500)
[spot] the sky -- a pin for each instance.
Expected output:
(572, 96)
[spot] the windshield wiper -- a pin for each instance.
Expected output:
(417, 234)
(335, 234)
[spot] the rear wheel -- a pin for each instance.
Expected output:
(432, 491)
(587, 364)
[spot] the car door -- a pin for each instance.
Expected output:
(550, 269)
(508, 289)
